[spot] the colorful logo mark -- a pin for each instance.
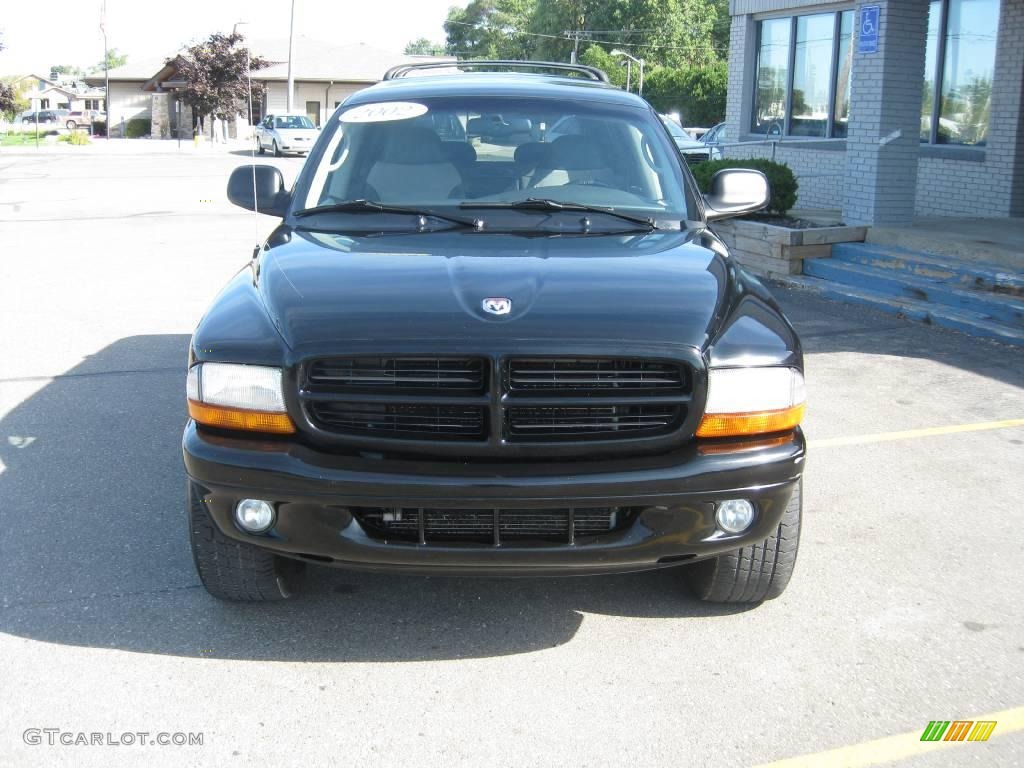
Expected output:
(958, 730)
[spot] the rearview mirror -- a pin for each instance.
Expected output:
(259, 188)
(736, 191)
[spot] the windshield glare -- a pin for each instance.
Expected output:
(452, 152)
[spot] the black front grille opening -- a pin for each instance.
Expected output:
(589, 374)
(399, 374)
(443, 422)
(478, 525)
(592, 422)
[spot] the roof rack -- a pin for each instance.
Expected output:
(591, 72)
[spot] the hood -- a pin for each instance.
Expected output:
(689, 144)
(330, 293)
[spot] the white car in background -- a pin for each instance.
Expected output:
(286, 133)
(693, 151)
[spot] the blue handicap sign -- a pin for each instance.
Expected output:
(867, 29)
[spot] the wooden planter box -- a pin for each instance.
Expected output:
(768, 249)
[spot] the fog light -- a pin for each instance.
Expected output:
(735, 515)
(254, 516)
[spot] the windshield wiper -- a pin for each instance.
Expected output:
(369, 206)
(546, 204)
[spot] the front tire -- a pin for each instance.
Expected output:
(259, 147)
(234, 570)
(754, 573)
(277, 149)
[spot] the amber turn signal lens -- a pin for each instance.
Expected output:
(239, 418)
(759, 423)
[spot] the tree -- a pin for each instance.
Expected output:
(490, 29)
(66, 69)
(113, 61)
(662, 32)
(8, 101)
(215, 76)
(696, 93)
(424, 47)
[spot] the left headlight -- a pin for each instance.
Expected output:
(752, 401)
(249, 397)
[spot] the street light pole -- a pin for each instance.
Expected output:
(640, 62)
(106, 68)
(291, 45)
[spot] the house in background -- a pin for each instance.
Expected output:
(64, 93)
(324, 74)
(884, 109)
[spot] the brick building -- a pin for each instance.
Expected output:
(885, 109)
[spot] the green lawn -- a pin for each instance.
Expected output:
(20, 139)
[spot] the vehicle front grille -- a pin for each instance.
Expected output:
(393, 374)
(497, 405)
(591, 420)
(692, 158)
(412, 421)
(490, 526)
(562, 374)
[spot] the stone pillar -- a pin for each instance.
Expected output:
(742, 63)
(160, 125)
(883, 143)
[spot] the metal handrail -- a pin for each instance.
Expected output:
(593, 73)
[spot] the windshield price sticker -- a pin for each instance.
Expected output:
(379, 113)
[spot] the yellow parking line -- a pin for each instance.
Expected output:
(900, 747)
(910, 434)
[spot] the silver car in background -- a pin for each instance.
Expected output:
(693, 151)
(286, 133)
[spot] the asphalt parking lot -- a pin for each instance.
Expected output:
(905, 607)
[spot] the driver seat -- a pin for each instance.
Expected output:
(573, 159)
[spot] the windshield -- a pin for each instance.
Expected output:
(674, 128)
(293, 121)
(463, 152)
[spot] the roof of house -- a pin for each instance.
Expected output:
(312, 59)
(319, 60)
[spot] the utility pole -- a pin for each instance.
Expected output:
(574, 56)
(291, 45)
(106, 68)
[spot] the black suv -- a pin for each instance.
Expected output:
(457, 355)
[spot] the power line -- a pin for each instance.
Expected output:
(570, 36)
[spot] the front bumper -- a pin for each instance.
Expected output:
(313, 493)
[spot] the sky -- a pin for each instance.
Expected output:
(38, 36)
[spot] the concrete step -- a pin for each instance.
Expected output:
(970, 275)
(962, 320)
(997, 308)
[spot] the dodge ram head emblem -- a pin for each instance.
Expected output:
(498, 306)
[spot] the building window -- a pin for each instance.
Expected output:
(960, 57)
(44, 103)
(804, 65)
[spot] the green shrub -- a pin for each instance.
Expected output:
(781, 180)
(78, 138)
(137, 127)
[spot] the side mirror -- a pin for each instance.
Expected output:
(259, 188)
(736, 191)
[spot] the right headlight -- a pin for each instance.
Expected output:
(232, 396)
(752, 401)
